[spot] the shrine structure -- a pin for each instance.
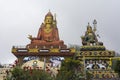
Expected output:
(46, 44)
(94, 56)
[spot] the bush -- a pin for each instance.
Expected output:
(20, 74)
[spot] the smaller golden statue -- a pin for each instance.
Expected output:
(90, 37)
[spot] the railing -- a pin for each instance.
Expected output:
(19, 46)
(23, 49)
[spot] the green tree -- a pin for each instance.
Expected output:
(70, 70)
(20, 74)
(117, 67)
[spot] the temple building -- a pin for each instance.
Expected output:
(94, 55)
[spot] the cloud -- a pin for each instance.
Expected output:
(22, 17)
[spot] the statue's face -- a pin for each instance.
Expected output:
(89, 29)
(48, 20)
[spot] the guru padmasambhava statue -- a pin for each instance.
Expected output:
(47, 35)
(90, 37)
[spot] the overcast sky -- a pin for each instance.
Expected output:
(19, 18)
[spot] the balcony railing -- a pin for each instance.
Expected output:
(19, 46)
